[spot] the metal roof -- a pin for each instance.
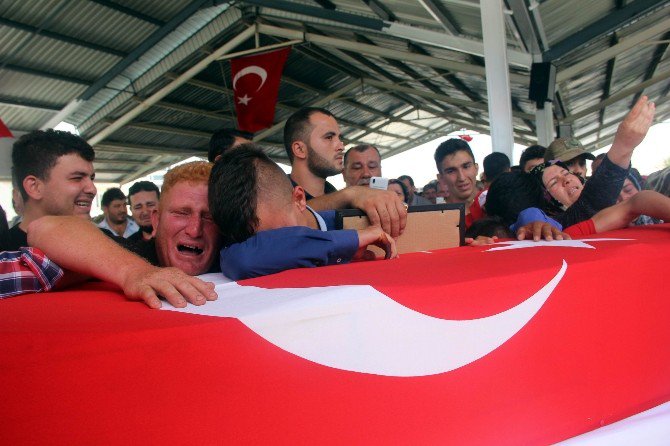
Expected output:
(396, 73)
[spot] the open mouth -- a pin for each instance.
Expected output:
(189, 249)
(83, 204)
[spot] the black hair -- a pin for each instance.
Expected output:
(143, 186)
(408, 178)
(37, 152)
(449, 147)
(223, 140)
(233, 194)
(297, 127)
(511, 193)
(405, 191)
(110, 195)
(489, 227)
(360, 148)
(495, 164)
(531, 153)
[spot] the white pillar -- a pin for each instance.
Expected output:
(497, 76)
(544, 122)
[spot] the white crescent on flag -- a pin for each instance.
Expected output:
(357, 328)
(252, 69)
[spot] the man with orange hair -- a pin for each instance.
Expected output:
(187, 240)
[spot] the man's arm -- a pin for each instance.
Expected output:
(631, 132)
(276, 250)
(383, 208)
(77, 245)
(620, 215)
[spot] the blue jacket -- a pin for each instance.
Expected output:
(275, 250)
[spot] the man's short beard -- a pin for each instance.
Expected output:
(319, 166)
(147, 229)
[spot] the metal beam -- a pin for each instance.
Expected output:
(455, 43)
(169, 129)
(131, 12)
(609, 74)
(143, 47)
(441, 16)
(624, 45)
(143, 149)
(116, 162)
(372, 50)
(618, 96)
(427, 94)
(47, 74)
(28, 104)
(183, 78)
(349, 102)
(407, 70)
(187, 109)
(412, 33)
(656, 59)
(381, 10)
(607, 24)
(61, 37)
(61, 115)
(160, 162)
(314, 11)
(524, 26)
(327, 4)
(280, 125)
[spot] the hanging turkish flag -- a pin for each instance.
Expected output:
(4, 131)
(255, 86)
(517, 343)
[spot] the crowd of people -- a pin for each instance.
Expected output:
(238, 212)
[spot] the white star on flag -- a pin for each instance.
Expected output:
(244, 100)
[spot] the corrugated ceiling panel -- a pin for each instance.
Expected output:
(27, 87)
(23, 119)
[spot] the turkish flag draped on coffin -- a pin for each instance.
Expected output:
(256, 85)
(87, 366)
(4, 131)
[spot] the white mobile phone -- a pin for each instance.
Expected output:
(439, 200)
(379, 183)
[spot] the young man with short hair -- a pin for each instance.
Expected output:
(115, 208)
(143, 199)
(457, 173)
(313, 145)
(53, 171)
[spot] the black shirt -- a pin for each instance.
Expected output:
(327, 188)
(14, 239)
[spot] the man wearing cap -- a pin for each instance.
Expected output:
(571, 152)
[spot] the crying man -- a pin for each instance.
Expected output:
(186, 236)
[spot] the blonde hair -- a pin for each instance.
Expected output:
(193, 172)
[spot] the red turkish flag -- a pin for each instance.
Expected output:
(594, 353)
(4, 131)
(256, 85)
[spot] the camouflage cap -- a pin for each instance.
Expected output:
(563, 149)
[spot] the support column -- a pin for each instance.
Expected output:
(497, 76)
(544, 122)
